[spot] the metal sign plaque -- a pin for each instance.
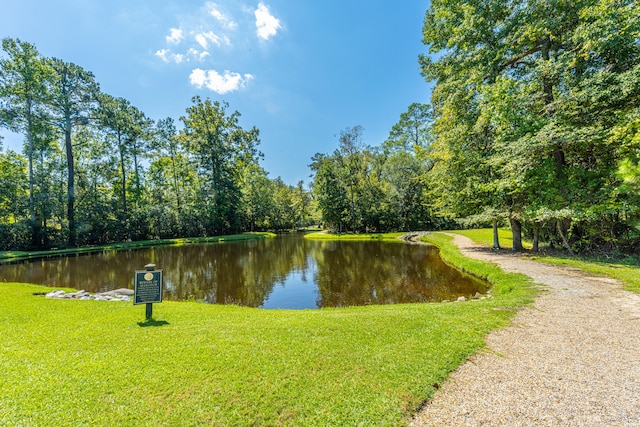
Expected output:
(147, 286)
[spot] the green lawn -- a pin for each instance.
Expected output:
(627, 272)
(99, 363)
(351, 236)
(485, 237)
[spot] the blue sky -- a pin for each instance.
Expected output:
(300, 71)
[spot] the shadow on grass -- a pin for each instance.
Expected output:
(152, 322)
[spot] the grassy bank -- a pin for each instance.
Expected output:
(350, 236)
(99, 363)
(485, 237)
(627, 272)
(27, 255)
(511, 289)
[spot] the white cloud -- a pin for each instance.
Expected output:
(162, 54)
(198, 77)
(221, 17)
(167, 56)
(195, 53)
(175, 36)
(219, 83)
(203, 39)
(267, 25)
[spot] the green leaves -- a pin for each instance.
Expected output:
(222, 148)
(126, 178)
(529, 99)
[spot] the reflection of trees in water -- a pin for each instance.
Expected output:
(241, 273)
(359, 273)
(225, 273)
(245, 273)
(93, 272)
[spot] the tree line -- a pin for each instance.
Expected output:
(359, 188)
(537, 117)
(534, 122)
(95, 169)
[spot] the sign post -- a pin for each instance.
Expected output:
(148, 287)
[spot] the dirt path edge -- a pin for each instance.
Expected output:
(570, 359)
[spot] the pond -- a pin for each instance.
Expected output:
(287, 272)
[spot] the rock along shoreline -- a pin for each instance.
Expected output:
(121, 294)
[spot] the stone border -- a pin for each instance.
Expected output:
(121, 294)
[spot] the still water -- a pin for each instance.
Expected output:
(287, 272)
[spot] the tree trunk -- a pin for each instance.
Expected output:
(353, 212)
(565, 242)
(496, 240)
(124, 178)
(516, 230)
(536, 238)
(175, 182)
(136, 173)
(559, 160)
(44, 208)
(71, 195)
(35, 225)
(45, 236)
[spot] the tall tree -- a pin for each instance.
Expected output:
(221, 148)
(121, 122)
(301, 204)
(169, 144)
(94, 170)
(533, 70)
(350, 161)
(406, 162)
(24, 78)
(74, 98)
(258, 201)
(47, 158)
(412, 133)
(140, 133)
(13, 188)
(330, 195)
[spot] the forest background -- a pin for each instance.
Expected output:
(534, 122)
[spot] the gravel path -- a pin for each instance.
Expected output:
(571, 359)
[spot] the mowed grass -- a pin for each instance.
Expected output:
(100, 363)
(350, 236)
(485, 237)
(627, 271)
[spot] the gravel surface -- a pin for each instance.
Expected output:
(571, 359)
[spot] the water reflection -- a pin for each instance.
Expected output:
(285, 272)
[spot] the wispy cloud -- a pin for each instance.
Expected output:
(219, 83)
(192, 54)
(267, 25)
(175, 36)
(226, 22)
(204, 38)
(163, 54)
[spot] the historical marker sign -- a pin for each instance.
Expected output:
(148, 287)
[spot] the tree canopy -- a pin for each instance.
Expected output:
(96, 169)
(534, 121)
(534, 105)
